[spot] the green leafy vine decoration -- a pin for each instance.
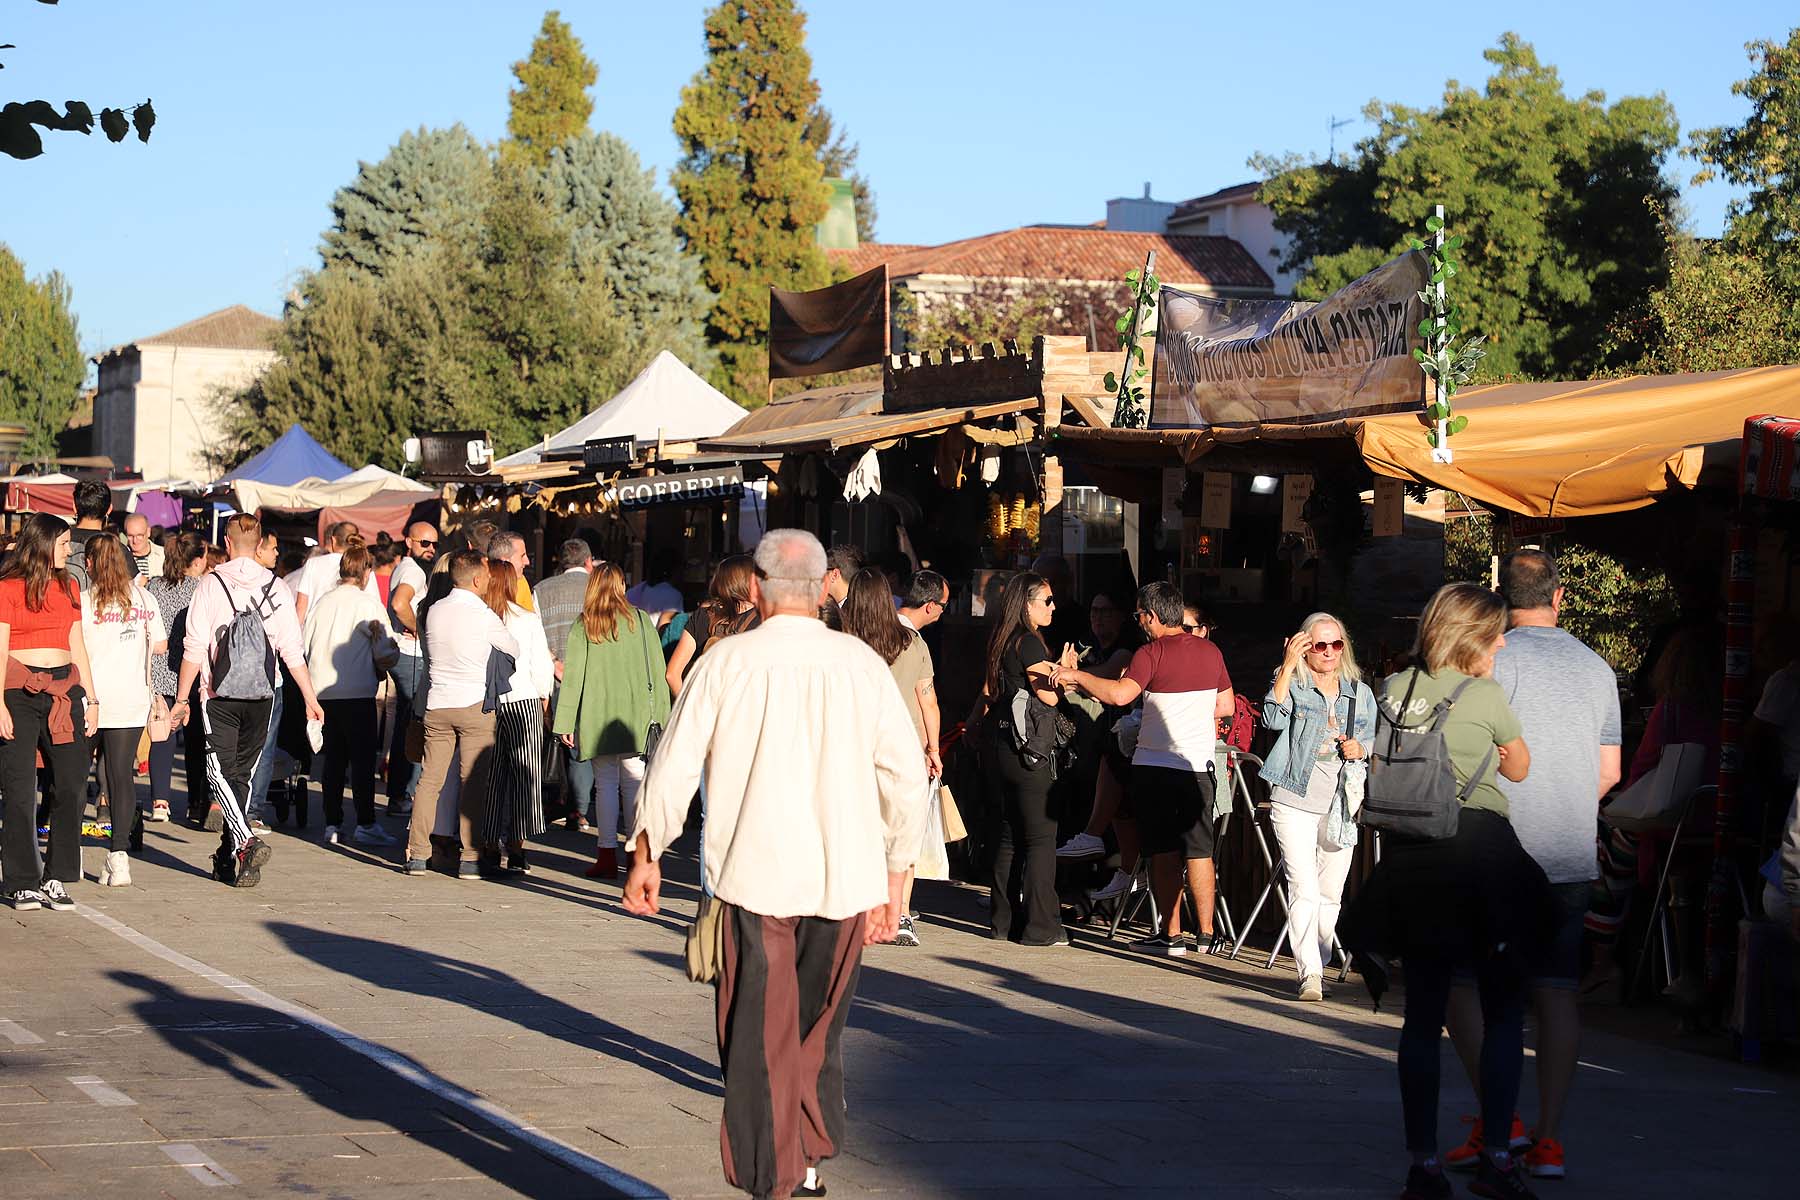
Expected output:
(1134, 326)
(1448, 359)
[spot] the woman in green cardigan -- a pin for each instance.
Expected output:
(612, 691)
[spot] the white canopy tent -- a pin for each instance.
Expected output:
(666, 400)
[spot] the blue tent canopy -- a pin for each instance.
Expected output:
(290, 458)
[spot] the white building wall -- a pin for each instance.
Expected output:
(156, 409)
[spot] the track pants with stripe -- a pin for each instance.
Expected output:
(235, 731)
(784, 994)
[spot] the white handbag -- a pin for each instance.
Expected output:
(1658, 798)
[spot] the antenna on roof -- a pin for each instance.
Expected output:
(1335, 125)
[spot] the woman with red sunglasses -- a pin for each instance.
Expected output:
(1316, 770)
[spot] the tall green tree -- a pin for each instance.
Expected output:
(1719, 310)
(751, 185)
(1762, 155)
(1555, 195)
(623, 229)
(430, 188)
(838, 155)
(551, 104)
(41, 367)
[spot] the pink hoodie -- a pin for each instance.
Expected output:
(211, 610)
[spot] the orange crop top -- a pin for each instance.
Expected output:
(48, 627)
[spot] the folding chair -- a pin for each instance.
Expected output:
(1126, 907)
(1255, 815)
(1659, 924)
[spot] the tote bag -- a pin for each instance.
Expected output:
(1658, 798)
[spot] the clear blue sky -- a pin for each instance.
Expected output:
(972, 116)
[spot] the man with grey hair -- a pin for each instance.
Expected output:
(559, 601)
(145, 554)
(814, 811)
(509, 547)
(1567, 701)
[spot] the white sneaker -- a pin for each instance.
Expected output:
(1082, 845)
(117, 870)
(331, 835)
(373, 835)
(1312, 989)
(1115, 887)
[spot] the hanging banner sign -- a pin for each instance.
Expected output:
(1390, 507)
(1256, 362)
(1215, 499)
(723, 484)
(1296, 490)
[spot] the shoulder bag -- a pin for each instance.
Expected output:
(1659, 796)
(653, 731)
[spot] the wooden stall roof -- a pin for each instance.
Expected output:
(812, 405)
(842, 433)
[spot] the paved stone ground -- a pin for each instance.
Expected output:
(344, 1031)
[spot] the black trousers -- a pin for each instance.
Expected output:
(235, 731)
(20, 865)
(118, 764)
(162, 764)
(1025, 904)
(349, 747)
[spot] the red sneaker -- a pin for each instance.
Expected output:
(1545, 1159)
(1467, 1156)
(606, 864)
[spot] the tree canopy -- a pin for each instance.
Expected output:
(1555, 195)
(751, 185)
(41, 366)
(551, 104)
(1762, 155)
(430, 188)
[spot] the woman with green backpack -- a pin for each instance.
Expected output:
(1454, 891)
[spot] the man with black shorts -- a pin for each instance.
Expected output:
(1186, 689)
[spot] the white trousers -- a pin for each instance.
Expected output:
(617, 778)
(1315, 873)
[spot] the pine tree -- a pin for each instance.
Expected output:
(429, 188)
(551, 104)
(624, 230)
(41, 367)
(751, 186)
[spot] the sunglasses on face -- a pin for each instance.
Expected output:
(1047, 601)
(1328, 647)
(425, 541)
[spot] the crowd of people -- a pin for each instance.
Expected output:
(795, 710)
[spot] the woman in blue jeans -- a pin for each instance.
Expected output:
(1474, 901)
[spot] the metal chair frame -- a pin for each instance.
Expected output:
(1256, 814)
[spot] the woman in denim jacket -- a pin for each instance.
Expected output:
(1325, 714)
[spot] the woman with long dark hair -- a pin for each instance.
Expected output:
(184, 563)
(727, 609)
(1473, 901)
(46, 709)
(516, 808)
(867, 612)
(611, 693)
(123, 630)
(1025, 905)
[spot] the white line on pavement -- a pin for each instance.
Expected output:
(101, 1092)
(551, 1147)
(200, 1165)
(17, 1034)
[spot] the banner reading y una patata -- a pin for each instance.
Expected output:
(1254, 362)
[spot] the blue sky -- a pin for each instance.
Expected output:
(972, 116)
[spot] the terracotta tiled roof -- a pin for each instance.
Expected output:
(234, 328)
(1237, 191)
(1071, 252)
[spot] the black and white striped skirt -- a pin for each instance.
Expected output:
(515, 808)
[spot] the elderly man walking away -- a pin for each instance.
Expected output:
(1567, 700)
(811, 762)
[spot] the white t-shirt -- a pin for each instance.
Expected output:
(320, 575)
(406, 572)
(1780, 707)
(118, 646)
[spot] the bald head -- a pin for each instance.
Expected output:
(422, 540)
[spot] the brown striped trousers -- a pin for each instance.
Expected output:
(783, 996)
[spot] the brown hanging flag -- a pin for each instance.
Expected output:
(830, 329)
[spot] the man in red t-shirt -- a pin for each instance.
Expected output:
(1185, 689)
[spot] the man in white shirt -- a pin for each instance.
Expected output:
(661, 596)
(406, 587)
(812, 763)
(461, 635)
(320, 574)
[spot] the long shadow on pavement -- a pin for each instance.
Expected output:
(402, 968)
(238, 1041)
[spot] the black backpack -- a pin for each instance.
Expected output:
(1412, 790)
